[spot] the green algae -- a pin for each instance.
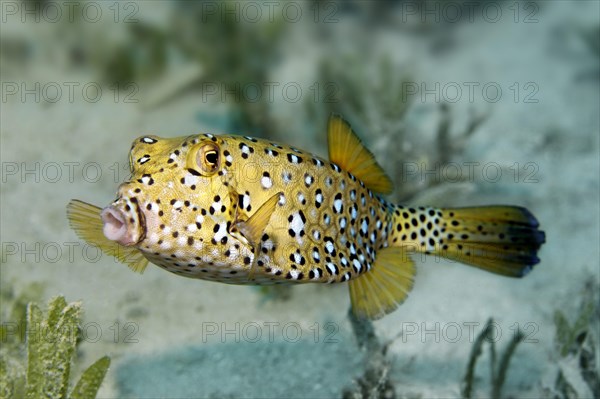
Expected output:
(50, 342)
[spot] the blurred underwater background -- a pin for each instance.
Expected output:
(462, 102)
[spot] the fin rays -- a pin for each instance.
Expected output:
(380, 290)
(85, 219)
(346, 150)
(500, 239)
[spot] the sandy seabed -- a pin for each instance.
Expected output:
(173, 337)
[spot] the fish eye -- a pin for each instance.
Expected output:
(211, 157)
(207, 158)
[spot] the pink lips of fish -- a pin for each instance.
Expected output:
(123, 223)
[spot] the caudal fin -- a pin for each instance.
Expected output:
(500, 239)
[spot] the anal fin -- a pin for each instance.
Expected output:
(380, 290)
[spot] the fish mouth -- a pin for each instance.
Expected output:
(123, 223)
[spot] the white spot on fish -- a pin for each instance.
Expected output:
(191, 227)
(294, 274)
(319, 198)
(245, 201)
(316, 256)
(317, 274)
(308, 180)
(297, 225)
(329, 247)
(190, 179)
(337, 205)
(352, 249)
(297, 257)
(266, 182)
(245, 149)
(222, 232)
(357, 265)
(332, 268)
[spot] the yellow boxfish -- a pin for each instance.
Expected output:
(243, 210)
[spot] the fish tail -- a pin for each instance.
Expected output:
(499, 239)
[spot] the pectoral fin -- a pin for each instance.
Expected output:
(85, 219)
(253, 228)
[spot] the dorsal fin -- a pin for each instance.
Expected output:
(380, 290)
(346, 150)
